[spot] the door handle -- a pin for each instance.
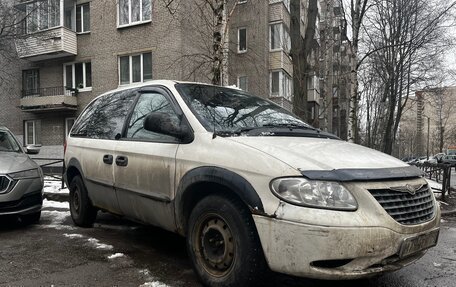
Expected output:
(108, 159)
(122, 160)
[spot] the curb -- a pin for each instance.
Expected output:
(449, 212)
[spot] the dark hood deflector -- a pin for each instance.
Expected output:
(363, 174)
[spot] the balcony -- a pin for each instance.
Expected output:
(49, 44)
(49, 99)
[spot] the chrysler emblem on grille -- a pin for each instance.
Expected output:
(407, 188)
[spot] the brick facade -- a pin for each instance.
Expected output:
(171, 38)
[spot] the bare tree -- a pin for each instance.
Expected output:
(10, 20)
(404, 43)
(209, 22)
(357, 12)
(301, 52)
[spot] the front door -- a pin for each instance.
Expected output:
(145, 164)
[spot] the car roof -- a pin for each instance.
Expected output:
(159, 82)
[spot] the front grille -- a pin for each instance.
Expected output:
(404, 207)
(4, 183)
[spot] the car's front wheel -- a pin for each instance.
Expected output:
(223, 243)
(82, 211)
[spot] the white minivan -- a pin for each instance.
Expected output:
(250, 185)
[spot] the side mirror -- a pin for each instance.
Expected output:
(32, 149)
(163, 123)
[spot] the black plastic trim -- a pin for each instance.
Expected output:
(217, 175)
(158, 198)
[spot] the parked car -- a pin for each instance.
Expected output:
(249, 184)
(21, 180)
(451, 159)
(435, 158)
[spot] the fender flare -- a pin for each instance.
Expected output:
(73, 163)
(215, 175)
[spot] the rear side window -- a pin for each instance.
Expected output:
(105, 117)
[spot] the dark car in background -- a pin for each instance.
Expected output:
(21, 180)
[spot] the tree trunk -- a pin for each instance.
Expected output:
(301, 49)
(225, 46)
(218, 40)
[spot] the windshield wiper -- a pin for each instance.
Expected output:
(243, 130)
(291, 126)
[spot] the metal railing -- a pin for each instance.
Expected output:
(440, 172)
(53, 168)
(49, 92)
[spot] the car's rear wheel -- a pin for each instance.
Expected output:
(223, 243)
(82, 211)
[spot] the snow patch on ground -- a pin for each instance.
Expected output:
(151, 281)
(96, 243)
(434, 185)
(116, 255)
(56, 219)
(52, 186)
(55, 204)
(73, 235)
(154, 284)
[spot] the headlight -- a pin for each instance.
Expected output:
(319, 194)
(31, 173)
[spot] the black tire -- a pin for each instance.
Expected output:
(223, 243)
(82, 211)
(32, 218)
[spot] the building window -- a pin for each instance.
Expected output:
(279, 37)
(134, 12)
(69, 122)
(281, 85)
(30, 82)
(42, 15)
(242, 40)
(83, 18)
(275, 83)
(243, 83)
(78, 76)
(31, 132)
(135, 68)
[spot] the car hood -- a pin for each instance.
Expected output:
(13, 162)
(316, 154)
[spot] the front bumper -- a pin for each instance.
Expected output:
(336, 253)
(24, 197)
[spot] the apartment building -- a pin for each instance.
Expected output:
(428, 123)
(74, 50)
(335, 56)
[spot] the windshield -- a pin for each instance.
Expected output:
(228, 110)
(8, 142)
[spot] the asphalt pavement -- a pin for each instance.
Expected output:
(117, 252)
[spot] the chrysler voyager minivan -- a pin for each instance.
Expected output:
(250, 185)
